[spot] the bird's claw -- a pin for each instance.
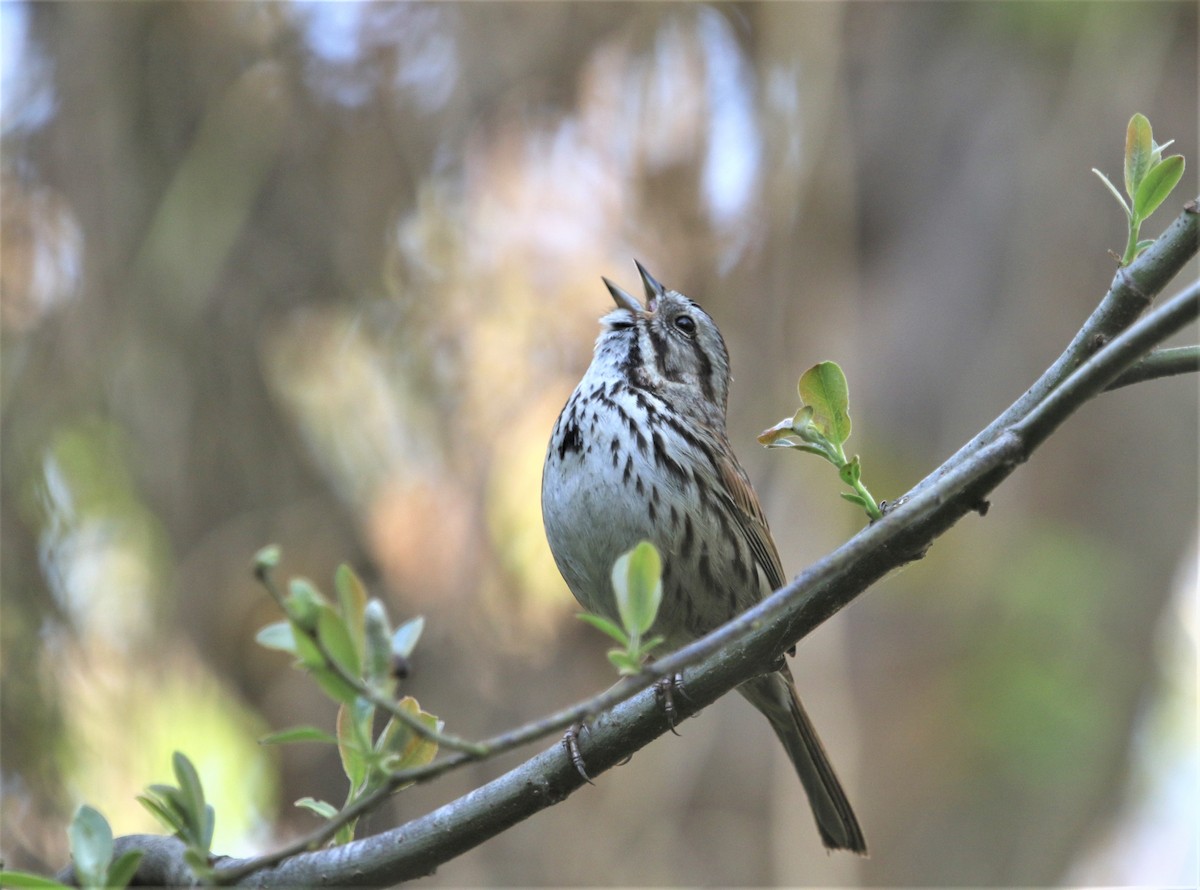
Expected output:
(570, 742)
(665, 690)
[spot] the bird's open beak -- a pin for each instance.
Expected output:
(626, 300)
(623, 299)
(654, 290)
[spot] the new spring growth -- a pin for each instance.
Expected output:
(637, 584)
(1149, 179)
(821, 427)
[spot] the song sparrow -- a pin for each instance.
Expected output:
(640, 452)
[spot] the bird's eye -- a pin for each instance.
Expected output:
(685, 324)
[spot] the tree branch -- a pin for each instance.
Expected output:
(1101, 355)
(1160, 363)
(739, 650)
(1132, 289)
(162, 862)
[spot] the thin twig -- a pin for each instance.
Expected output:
(1160, 363)
(622, 691)
(739, 649)
(1107, 366)
(362, 689)
(1098, 357)
(1132, 289)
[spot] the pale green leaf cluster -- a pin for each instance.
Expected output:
(1149, 180)
(183, 810)
(91, 842)
(821, 426)
(637, 587)
(350, 649)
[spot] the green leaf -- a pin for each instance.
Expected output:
(651, 642)
(189, 785)
(605, 626)
(1159, 182)
(208, 827)
(333, 685)
(298, 734)
(404, 640)
(266, 559)
(814, 439)
(171, 799)
(306, 650)
(304, 603)
(407, 748)
(197, 816)
(804, 426)
(637, 579)
(121, 872)
(166, 793)
(335, 636)
(27, 879)
(823, 450)
(164, 814)
(624, 663)
(351, 743)
(774, 434)
(277, 636)
(197, 861)
(853, 498)
(352, 600)
(322, 808)
(91, 843)
(377, 654)
(1139, 152)
(824, 388)
(851, 471)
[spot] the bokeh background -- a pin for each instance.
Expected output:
(323, 274)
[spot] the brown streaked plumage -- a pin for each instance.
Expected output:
(640, 452)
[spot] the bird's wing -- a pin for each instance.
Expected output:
(751, 520)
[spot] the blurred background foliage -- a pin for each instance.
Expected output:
(322, 274)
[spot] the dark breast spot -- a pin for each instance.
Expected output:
(572, 441)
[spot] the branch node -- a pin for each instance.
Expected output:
(1132, 286)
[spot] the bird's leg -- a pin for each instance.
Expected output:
(665, 691)
(570, 742)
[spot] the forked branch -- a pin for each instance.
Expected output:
(1114, 348)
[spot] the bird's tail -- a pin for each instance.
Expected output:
(775, 695)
